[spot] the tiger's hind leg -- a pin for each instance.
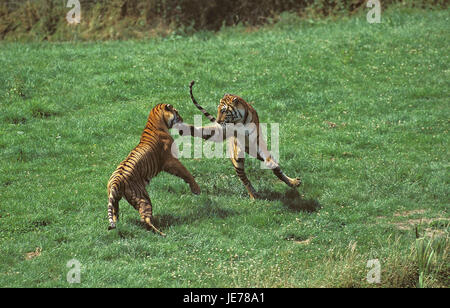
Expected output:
(263, 154)
(266, 157)
(140, 200)
(145, 210)
(238, 162)
(289, 181)
(272, 164)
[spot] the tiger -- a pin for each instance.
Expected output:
(152, 155)
(245, 136)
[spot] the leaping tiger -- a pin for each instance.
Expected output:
(235, 112)
(152, 155)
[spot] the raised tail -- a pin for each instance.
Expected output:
(210, 117)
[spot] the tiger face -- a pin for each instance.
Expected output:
(231, 109)
(171, 115)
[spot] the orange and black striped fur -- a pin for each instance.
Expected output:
(234, 110)
(152, 155)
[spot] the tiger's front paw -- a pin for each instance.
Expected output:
(296, 182)
(195, 189)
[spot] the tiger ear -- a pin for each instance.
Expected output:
(168, 107)
(235, 100)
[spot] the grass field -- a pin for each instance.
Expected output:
(364, 117)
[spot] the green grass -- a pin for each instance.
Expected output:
(71, 112)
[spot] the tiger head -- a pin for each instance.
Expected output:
(171, 115)
(231, 109)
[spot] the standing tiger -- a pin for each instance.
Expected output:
(152, 155)
(237, 114)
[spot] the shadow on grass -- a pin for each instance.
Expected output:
(208, 210)
(292, 200)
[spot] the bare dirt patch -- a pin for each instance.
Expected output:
(408, 223)
(410, 213)
(34, 254)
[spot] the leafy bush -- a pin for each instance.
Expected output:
(122, 19)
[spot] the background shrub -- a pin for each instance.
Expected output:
(124, 19)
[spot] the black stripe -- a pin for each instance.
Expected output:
(206, 136)
(246, 116)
